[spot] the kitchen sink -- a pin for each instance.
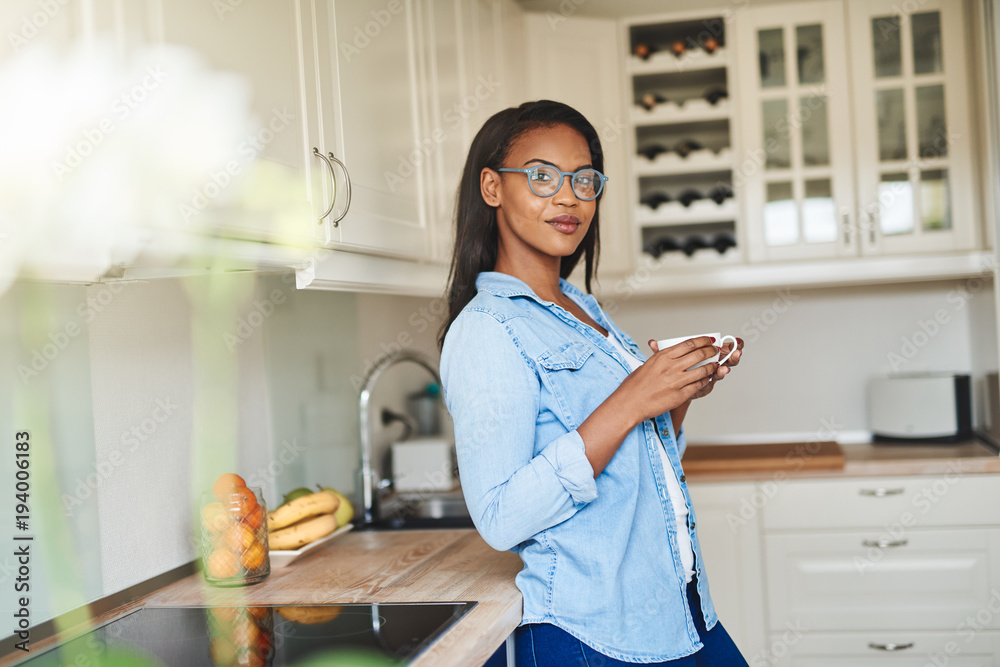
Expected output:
(423, 510)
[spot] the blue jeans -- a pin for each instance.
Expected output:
(545, 645)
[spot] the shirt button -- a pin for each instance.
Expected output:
(665, 432)
(683, 478)
(692, 525)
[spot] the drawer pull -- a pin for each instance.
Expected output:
(879, 492)
(890, 647)
(883, 544)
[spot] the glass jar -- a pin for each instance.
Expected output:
(234, 537)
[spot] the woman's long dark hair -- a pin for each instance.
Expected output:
(476, 235)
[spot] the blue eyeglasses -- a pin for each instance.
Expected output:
(545, 180)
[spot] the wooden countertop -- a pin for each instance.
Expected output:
(881, 460)
(453, 565)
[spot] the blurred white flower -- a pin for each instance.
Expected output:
(98, 155)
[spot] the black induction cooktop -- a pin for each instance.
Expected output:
(271, 636)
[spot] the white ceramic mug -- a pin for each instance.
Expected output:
(719, 341)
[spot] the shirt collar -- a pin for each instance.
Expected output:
(502, 284)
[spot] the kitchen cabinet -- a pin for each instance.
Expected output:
(901, 566)
(898, 182)
(577, 61)
(730, 543)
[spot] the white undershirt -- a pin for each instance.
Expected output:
(673, 486)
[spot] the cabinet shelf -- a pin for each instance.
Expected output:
(665, 62)
(692, 111)
(702, 211)
(668, 164)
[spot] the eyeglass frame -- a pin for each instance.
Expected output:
(562, 175)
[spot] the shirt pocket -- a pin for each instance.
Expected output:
(566, 379)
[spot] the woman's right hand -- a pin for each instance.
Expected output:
(664, 383)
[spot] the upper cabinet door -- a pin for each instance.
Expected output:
(797, 160)
(915, 181)
(368, 58)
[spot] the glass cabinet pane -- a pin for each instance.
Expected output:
(926, 30)
(935, 200)
(771, 51)
(819, 215)
(781, 220)
(886, 46)
(891, 124)
(932, 134)
(809, 53)
(895, 204)
(775, 121)
(815, 139)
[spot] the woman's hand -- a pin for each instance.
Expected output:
(721, 372)
(664, 383)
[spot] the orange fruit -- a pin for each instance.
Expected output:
(255, 517)
(253, 558)
(213, 517)
(224, 483)
(238, 538)
(241, 501)
(223, 564)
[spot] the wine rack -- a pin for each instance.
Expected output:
(682, 140)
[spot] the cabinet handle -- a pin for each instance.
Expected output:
(878, 493)
(890, 647)
(874, 226)
(847, 229)
(333, 179)
(348, 175)
(883, 544)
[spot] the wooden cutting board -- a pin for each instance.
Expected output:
(764, 457)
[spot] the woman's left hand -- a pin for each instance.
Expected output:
(723, 370)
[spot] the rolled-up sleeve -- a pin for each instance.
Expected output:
(492, 392)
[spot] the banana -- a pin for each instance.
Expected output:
(321, 502)
(302, 533)
(310, 615)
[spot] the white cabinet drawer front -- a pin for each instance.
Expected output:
(907, 502)
(911, 649)
(921, 579)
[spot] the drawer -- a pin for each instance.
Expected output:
(860, 649)
(932, 579)
(904, 502)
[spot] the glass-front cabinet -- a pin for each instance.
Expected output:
(796, 169)
(898, 181)
(910, 101)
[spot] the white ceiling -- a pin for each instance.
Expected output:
(620, 8)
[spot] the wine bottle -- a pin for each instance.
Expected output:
(654, 199)
(710, 45)
(650, 100)
(689, 195)
(652, 150)
(643, 50)
(660, 245)
(720, 193)
(693, 244)
(713, 95)
(723, 241)
(678, 48)
(685, 146)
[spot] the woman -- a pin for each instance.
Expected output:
(568, 438)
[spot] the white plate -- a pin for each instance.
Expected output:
(283, 558)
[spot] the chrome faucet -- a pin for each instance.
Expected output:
(368, 484)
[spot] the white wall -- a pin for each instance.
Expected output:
(810, 353)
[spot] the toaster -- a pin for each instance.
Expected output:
(930, 407)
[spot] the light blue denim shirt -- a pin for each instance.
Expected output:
(601, 561)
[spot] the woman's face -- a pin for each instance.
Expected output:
(550, 227)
